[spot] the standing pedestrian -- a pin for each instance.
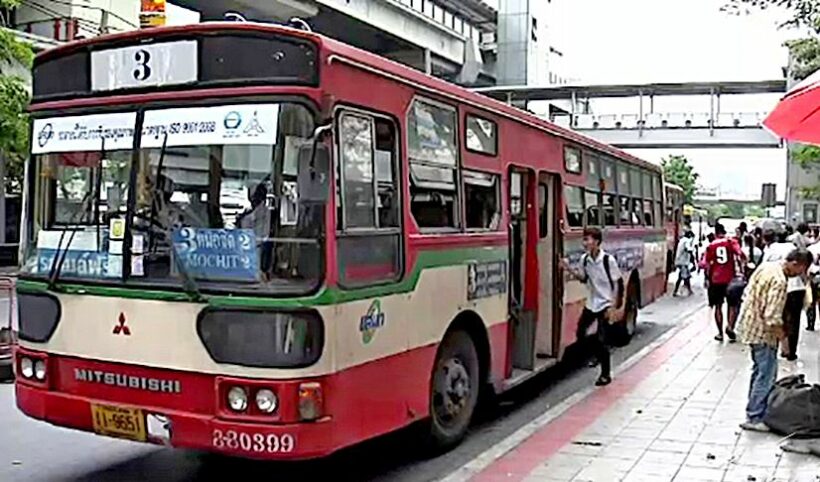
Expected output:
(814, 286)
(684, 260)
(605, 301)
(722, 256)
(800, 238)
(761, 327)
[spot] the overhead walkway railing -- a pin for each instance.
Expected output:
(649, 129)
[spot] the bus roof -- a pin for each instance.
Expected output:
(337, 51)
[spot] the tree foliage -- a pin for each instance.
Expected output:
(801, 13)
(14, 98)
(677, 170)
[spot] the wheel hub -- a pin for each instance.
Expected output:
(454, 388)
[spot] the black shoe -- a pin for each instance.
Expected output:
(791, 357)
(603, 380)
(732, 335)
(719, 338)
(810, 328)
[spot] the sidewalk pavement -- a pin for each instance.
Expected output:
(673, 415)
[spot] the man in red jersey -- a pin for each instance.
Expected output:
(722, 256)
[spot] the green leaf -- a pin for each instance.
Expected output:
(14, 50)
(677, 170)
(14, 129)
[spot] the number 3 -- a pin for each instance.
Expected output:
(722, 255)
(143, 70)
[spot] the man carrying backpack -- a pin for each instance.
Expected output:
(605, 300)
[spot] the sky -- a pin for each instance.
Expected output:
(642, 41)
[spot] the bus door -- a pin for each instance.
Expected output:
(549, 308)
(523, 233)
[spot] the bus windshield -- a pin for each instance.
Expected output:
(212, 194)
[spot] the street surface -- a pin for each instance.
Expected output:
(32, 451)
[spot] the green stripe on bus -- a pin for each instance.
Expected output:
(328, 296)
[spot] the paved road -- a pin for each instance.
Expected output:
(32, 451)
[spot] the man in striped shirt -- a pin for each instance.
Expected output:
(761, 327)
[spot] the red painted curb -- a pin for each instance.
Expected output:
(519, 462)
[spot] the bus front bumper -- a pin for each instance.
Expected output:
(187, 430)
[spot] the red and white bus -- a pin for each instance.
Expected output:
(255, 240)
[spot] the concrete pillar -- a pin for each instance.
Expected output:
(523, 42)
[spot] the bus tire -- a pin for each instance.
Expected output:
(624, 330)
(454, 390)
(6, 373)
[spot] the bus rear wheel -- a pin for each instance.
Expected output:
(624, 330)
(454, 391)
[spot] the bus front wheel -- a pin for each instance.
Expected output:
(454, 391)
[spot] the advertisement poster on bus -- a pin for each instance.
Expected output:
(216, 254)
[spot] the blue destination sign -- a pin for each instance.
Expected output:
(86, 264)
(217, 254)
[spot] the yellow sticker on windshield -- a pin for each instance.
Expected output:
(117, 228)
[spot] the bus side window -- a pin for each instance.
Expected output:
(368, 234)
(593, 208)
(574, 199)
(433, 156)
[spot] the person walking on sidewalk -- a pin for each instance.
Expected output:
(605, 297)
(684, 260)
(722, 257)
(761, 327)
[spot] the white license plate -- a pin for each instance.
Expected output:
(150, 65)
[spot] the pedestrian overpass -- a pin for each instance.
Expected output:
(645, 128)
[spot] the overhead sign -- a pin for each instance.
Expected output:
(217, 254)
(152, 13)
(83, 133)
(198, 126)
(769, 195)
(148, 65)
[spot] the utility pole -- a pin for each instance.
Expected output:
(104, 21)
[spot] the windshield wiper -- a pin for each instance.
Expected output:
(57, 263)
(188, 282)
(156, 195)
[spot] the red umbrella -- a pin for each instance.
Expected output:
(797, 116)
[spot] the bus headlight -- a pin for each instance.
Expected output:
(237, 399)
(27, 367)
(260, 338)
(40, 370)
(266, 401)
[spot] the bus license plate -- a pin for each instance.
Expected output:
(120, 422)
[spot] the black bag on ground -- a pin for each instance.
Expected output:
(794, 408)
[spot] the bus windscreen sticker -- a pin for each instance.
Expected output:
(83, 133)
(217, 254)
(486, 279)
(249, 124)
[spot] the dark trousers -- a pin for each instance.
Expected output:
(811, 311)
(791, 318)
(598, 342)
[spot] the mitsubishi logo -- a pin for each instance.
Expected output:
(121, 327)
